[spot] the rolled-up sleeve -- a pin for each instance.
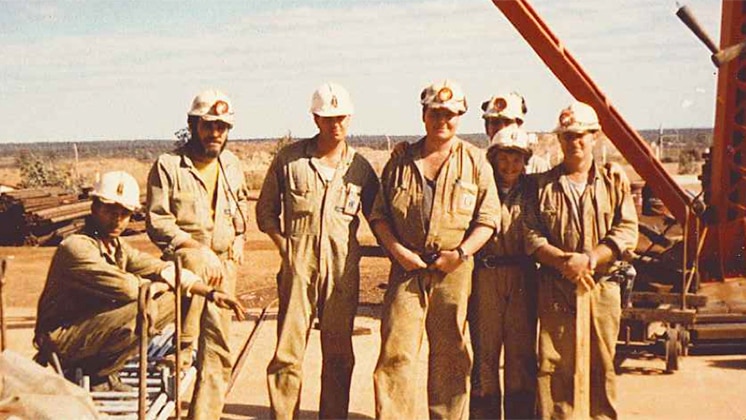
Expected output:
(487, 211)
(269, 205)
(160, 220)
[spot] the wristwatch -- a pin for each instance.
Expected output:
(210, 296)
(461, 254)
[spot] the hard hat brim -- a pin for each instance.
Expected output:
(228, 119)
(460, 110)
(332, 113)
(497, 147)
(577, 129)
(108, 200)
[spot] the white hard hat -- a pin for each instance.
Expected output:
(331, 100)
(118, 187)
(510, 106)
(212, 105)
(511, 138)
(445, 94)
(578, 118)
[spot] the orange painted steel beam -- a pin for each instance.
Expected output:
(728, 154)
(729, 143)
(569, 72)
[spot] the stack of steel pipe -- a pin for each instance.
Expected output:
(40, 216)
(45, 216)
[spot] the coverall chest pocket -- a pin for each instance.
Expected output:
(299, 203)
(349, 201)
(185, 206)
(464, 198)
(549, 218)
(606, 217)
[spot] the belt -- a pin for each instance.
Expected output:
(494, 261)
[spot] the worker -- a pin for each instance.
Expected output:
(88, 308)
(321, 186)
(436, 207)
(502, 311)
(506, 111)
(581, 221)
(196, 211)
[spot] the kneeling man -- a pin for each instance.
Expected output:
(88, 309)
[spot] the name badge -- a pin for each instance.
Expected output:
(352, 199)
(468, 201)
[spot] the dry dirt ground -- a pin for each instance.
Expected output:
(705, 387)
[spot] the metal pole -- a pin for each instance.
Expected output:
(177, 336)
(142, 319)
(243, 355)
(581, 379)
(685, 258)
(3, 327)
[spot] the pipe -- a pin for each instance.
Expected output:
(3, 326)
(177, 336)
(143, 302)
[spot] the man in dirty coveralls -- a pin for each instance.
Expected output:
(502, 312)
(436, 207)
(196, 210)
(321, 186)
(87, 311)
(582, 221)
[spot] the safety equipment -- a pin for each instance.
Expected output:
(331, 100)
(118, 187)
(578, 118)
(511, 106)
(212, 105)
(511, 138)
(445, 94)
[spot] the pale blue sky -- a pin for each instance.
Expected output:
(91, 70)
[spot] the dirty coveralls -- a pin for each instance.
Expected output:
(606, 215)
(429, 300)
(88, 309)
(320, 272)
(179, 208)
(502, 312)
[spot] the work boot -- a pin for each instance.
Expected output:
(110, 383)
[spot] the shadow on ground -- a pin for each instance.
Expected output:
(729, 364)
(262, 412)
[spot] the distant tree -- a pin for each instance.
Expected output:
(38, 172)
(282, 142)
(688, 162)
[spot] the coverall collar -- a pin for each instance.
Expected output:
(188, 162)
(414, 152)
(344, 162)
(91, 230)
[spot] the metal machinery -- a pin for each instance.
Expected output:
(712, 255)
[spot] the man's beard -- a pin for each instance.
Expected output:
(195, 145)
